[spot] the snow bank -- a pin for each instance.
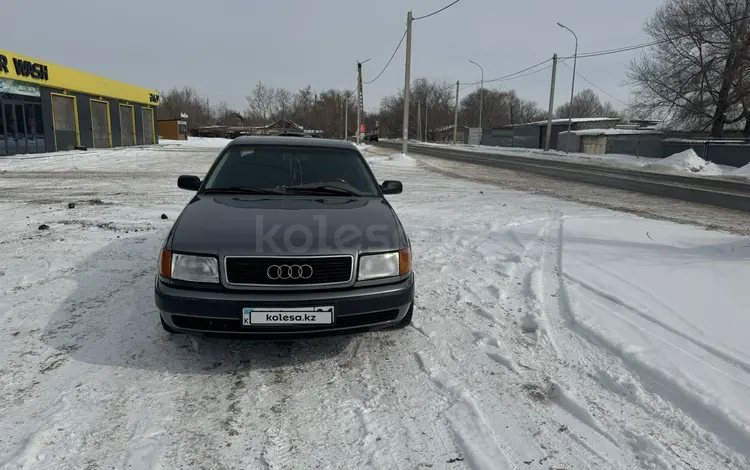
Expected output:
(661, 297)
(213, 142)
(743, 171)
(400, 159)
(711, 169)
(687, 160)
(363, 147)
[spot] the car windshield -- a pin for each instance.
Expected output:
(323, 170)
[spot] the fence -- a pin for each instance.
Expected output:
(645, 145)
(734, 153)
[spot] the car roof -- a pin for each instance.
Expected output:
(290, 140)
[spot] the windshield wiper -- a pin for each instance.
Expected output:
(241, 190)
(318, 188)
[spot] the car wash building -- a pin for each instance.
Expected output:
(46, 107)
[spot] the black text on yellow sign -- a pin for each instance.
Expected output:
(25, 68)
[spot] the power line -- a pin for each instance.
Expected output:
(510, 78)
(506, 77)
(594, 85)
(435, 12)
(389, 60)
(654, 43)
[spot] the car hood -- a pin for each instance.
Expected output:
(286, 225)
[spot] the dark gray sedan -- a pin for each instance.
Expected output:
(286, 237)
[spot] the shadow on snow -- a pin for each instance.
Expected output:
(110, 319)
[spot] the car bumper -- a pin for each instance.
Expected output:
(220, 313)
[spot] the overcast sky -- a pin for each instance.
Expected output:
(224, 47)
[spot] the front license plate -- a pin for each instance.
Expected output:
(287, 316)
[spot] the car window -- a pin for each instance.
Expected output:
(267, 167)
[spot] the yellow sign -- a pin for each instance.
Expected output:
(31, 70)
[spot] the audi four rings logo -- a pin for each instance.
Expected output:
(286, 271)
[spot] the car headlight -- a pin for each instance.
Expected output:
(189, 268)
(381, 265)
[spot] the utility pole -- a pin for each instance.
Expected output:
(407, 85)
(346, 116)
(359, 100)
(455, 116)
(551, 104)
(425, 120)
(419, 120)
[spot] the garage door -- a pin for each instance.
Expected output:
(127, 126)
(66, 129)
(100, 124)
(148, 126)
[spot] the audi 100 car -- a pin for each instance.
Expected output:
(286, 236)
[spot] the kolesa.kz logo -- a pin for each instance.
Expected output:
(295, 318)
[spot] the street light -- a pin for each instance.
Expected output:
(481, 92)
(572, 87)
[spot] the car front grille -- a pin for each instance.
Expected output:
(288, 271)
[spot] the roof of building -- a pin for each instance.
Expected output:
(65, 78)
(289, 140)
(613, 131)
(574, 120)
(445, 128)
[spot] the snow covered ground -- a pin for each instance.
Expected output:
(547, 334)
(686, 163)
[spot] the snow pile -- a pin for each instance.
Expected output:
(743, 171)
(687, 160)
(711, 169)
(212, 142)
(363, 147)
(399, 159)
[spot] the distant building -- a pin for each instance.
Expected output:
(534, 134)
(172, 129)
(45, 107)
(638, 142)
(274, 128)
(445, 134)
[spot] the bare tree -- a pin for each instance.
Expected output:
(695, 77)
(282, 104)
(260, 103)
(437, 103)
(585, 104)
(499, 108)
(223, 115)
(176, 101)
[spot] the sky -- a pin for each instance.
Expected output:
(222, 48)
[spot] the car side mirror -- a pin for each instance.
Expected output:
(189, 182)
(392, 187)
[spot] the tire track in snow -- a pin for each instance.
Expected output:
(537, 319)
(528, 273)
(736, 362)
(730, 432)
(470, 428)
